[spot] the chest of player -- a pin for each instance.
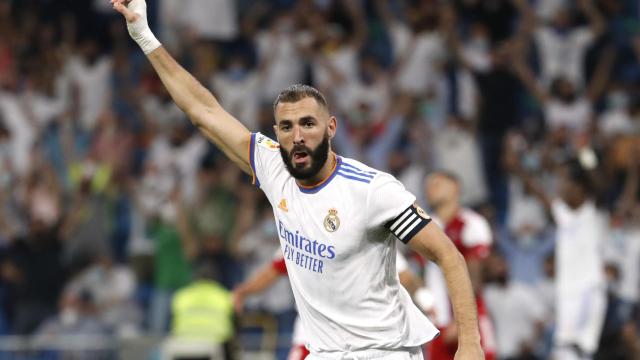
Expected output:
(324, 226)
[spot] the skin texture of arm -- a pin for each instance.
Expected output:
(432, 243)
(225, 131)
(203, 109)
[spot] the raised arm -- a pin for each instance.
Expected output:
(591, 12)
(527, 77)
(432, 243)
(600, 79)
(512, 164)
(627, 200)
(225, 131)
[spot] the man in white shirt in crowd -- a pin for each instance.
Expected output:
(337, 219)
(581, 229)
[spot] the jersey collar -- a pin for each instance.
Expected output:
(317, 187)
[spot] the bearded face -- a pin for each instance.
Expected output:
(304, 163)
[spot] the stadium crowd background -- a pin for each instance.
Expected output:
(109, 197)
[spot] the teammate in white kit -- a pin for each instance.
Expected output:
(337, 219)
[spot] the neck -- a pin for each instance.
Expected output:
(324, 172)
(447, 211)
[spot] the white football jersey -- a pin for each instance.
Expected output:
(338, 239)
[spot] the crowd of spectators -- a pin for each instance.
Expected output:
(108, 195)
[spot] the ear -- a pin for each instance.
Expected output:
(332, 126)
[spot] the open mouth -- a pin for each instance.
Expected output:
(300, 157)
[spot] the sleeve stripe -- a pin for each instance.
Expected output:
(400, 219)
(252, 163)
(406, 225)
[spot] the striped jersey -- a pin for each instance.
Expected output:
(338, 240)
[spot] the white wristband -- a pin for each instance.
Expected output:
(147, 41)
(139, 29)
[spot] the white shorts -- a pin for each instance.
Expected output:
(579, 319)
(414, 353)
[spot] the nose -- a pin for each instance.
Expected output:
(298, 139)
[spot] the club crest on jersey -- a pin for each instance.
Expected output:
(332, 221)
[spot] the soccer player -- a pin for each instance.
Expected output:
(337, 219)
(268, 275)
(471, 234)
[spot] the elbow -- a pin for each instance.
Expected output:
(200, 114)
(450, 257)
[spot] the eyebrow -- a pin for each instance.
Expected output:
(302, 119)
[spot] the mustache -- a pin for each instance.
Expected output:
(300, 148)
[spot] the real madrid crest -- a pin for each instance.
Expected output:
(332, 221)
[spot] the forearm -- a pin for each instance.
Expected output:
(596, 21)
(462, 297)
(432, 243)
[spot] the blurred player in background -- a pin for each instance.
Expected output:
(270, 273)
(582, 229)
(471, 234)
(338, 220)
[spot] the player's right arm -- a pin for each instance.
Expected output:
(225, 131)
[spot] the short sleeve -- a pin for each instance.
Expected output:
(583, 36)
(543, 37)
(264, 158)
(560, 211)
(390, 205)
(476, 237)
(279, 266)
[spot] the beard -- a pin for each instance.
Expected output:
(317, 156)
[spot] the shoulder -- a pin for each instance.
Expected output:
(356, 171)
(476, 229)
(263, 141)
(471, 217)
(364, 176)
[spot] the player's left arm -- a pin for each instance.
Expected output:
(432, 243)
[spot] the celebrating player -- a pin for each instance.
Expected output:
(337, 220)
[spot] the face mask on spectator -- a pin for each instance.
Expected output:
(479, 44)
(618, 99)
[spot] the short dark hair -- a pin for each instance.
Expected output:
(447, 174)
(580, 176)
(297, 92)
